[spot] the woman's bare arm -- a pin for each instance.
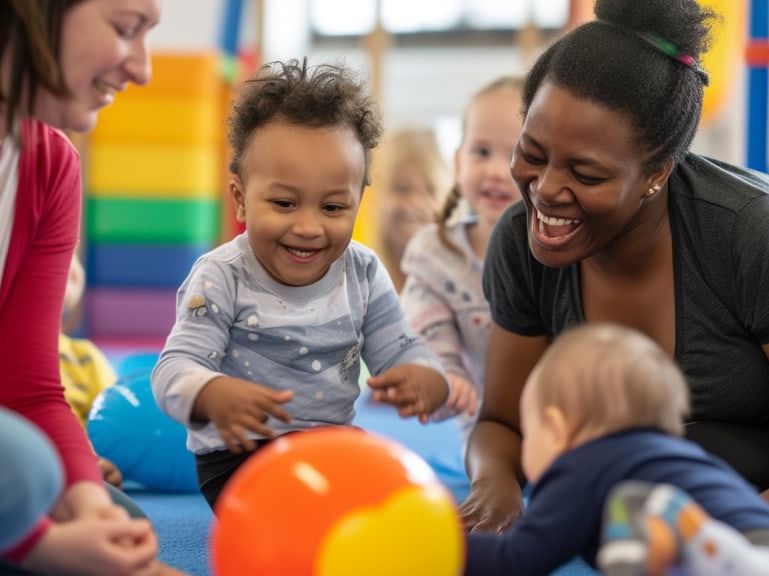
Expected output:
(494, 451)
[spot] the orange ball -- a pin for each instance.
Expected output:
(336, 502)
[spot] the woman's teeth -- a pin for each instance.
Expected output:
(104, 88)
(555, 221)
(556, 227)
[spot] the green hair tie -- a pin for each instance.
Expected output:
(667, 48)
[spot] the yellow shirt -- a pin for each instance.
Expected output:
(85, 372)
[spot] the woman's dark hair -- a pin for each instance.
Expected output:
(314, 96)
(611, 62)
(30, 30)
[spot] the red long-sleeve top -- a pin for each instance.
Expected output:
(45, 231)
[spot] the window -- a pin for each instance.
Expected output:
(345, 18)
(409, 16)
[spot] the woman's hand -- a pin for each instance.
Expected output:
(95, 546)
(493, 455)
(491, 506)
(110, 473)
(83, 499)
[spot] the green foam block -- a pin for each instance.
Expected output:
(152, 221)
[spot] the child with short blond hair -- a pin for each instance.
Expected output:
(411, 181)
(605, 405)
(85, 370)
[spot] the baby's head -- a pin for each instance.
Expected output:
(301, 139)
(593, 381)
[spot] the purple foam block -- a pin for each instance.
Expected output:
(129, 312)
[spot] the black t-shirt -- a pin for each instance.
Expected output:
(719, 219)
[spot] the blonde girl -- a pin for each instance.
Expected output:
(442, 296)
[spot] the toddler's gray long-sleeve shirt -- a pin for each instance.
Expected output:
(233, 319)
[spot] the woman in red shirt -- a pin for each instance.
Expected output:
(60, 62)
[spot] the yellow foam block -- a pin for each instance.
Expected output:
(722, 60)
(366, 230)
(188, 75)
(161, 119)
(174, 171)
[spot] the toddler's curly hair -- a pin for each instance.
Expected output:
(315, 96)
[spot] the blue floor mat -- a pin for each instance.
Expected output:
(183, 521)
(438, 443)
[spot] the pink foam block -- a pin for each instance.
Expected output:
(130, 312)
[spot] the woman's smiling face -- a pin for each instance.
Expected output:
(581, 174)
(103, 48)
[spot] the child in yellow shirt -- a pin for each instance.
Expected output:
(85, 371)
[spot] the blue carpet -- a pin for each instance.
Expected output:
(183, 521)
(438, 443)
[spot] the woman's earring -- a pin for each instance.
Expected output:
(654, 189)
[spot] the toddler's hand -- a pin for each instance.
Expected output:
(237, 407)
(110, 473)
(414, 390)
(463, 397)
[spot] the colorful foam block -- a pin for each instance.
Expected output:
(156, 221)
(158, 119)
(123, 312)
(141, 264)
(185, 75)
(152, 169)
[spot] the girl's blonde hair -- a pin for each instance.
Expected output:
(455, 194)
(607, 378)
(417, 146)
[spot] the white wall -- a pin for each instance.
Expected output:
(188, 25)
(420, 85)
(724, 137)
